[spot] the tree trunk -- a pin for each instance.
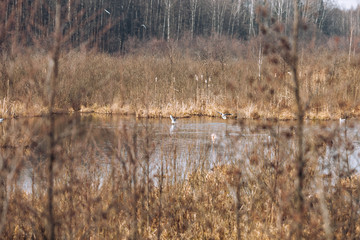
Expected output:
(168, 20)
(193, 7)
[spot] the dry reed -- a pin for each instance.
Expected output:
(145, 84)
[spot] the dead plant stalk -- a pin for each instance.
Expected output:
(300, 163)
(54, 70)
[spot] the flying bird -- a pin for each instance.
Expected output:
(107, 11)
(143, 25)
(223, 115)
(173, 120)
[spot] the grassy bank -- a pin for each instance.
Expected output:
(167, 80)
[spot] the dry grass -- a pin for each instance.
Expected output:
(280, 184)
(146, 84)
(111, 195)
(100, 195)
(141, 189)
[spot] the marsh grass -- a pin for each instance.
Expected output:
(140, 188)
(194, 82)
(236, 188)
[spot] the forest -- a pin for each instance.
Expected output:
(108, 25)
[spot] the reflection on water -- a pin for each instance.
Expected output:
(190, 144)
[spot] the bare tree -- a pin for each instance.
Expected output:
(193, 8)
(168, 9)
(351, 35)
(251, 19)
(234, 12)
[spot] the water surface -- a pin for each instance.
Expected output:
(190, 144)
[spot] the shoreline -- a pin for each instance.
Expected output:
(158, 112)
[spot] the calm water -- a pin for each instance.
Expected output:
(192, 143)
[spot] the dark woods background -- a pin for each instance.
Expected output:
(116, 25)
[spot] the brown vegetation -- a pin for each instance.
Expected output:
(141, 189)
(292, 182)
(161, 79)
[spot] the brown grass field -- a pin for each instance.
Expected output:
(255, 195)
(161, 79)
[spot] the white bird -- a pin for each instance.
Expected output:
(172, 128)
(223, 115)
(213, 137)
(143, 25)
(107, 11)
(173, 120)
(1, 119)
(342, 120)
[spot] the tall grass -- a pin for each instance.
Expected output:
(161, 79)
(138, 188)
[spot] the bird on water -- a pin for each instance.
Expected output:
(223, 115)
(213, 137)
(173, 120)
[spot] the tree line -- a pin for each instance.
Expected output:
(108, 24)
